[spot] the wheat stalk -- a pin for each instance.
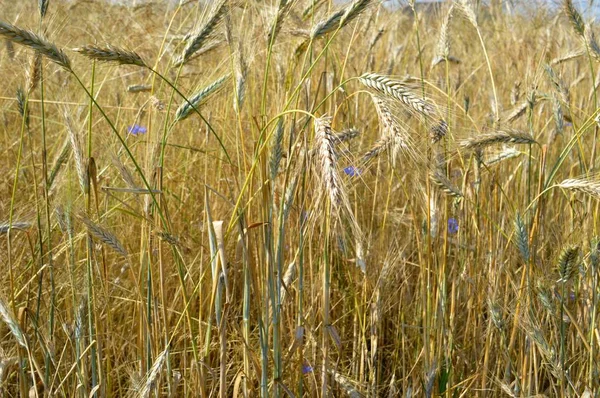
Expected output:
(103, 235)
(35, 42)
(339, 19)
(589, 187)
(497, 137)
(567, 263)
(12, 324)
(522, 238)
(153, 374)
(325, 144)
(378, 148)
(575, 17)
(4, 226)
(43, 7)
(34, 73)
(397, 90)
(139, 88)
(62, 157)
(196, 41)
(439, 179)
(199, 98)
(111, 53)
(443, 44)
(282, 10)
(80, 163)
(346, 135)
(568, 57)
(467, 11)
(391, 128)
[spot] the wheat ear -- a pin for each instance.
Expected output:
(111, 54)
(35, 42)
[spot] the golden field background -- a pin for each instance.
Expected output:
(355, 201)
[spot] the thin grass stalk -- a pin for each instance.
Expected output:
(426, 294)
(40, 230)
(22, 381)
(594, 263)
(91, 318)
(326, 304)
(49, 253)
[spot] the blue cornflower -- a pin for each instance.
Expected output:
(306, 368)
(137, 129)
(352, 171)
(452, 225)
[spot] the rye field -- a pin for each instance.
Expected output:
(299, 198)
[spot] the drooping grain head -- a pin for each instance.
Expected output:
(35, 42)
(111, 53)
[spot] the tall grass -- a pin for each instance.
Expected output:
(398, 203)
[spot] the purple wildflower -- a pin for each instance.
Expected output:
(452, 225)
(306, 368)
(352, 171)
(137, 130)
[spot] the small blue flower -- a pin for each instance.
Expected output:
(137, 130)
(352, 171)
(452, 225)
(306, 369)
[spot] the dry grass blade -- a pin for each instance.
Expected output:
(497, 137)
(12, 324)
(35, 42)
(103, 235)
(111, 54)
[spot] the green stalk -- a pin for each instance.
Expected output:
(326, 307)
(90, 243)
(24, 388)
(562, 338)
